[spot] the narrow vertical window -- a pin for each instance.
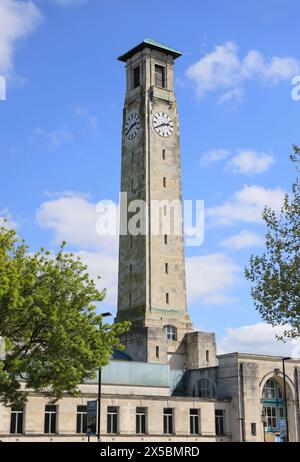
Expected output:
(131, 241)
(166, 238)
(167, 298)
(81, 419)
(207, 356)
(130, 272)
(164, 182)
(16, 420)
(164, 154)
(130, 299)
(160, 76)
(253, 428)
(157, 351)
(50, 419)
(167, 268)
(141, 420)
(112, 420)
(220, 422)
(131, 185)
(136, 77)
(194, 422)
(168, 421)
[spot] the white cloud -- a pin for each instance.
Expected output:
(73, 218)
(222, 69)
(246, 205)
(249, 162)
(105, 265)
(91, 121)
(236, 95)
(258, 338)
(209, 277)
(214, 155)
(218, 69)
(6, 220)
(51, 138)
(18, 19)
(242, 240)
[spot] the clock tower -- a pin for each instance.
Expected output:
(152, 285)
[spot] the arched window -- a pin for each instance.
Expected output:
(206, 388)
(171, 332)
(273, 405)
(272, 390)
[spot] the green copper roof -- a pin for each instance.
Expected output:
(150, 43)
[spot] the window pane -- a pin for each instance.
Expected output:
(13, 422)
(78, 423)
(136, 77)
(46, 428)
(53, 422)
(50, 408)
(20, 422)
(84, 423)
(109, 427)
(115, 423)
(159, 76)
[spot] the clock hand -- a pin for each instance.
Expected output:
(129, 129)
(161, 125)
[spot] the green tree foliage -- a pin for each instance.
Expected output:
(53, 336)
(276, 274)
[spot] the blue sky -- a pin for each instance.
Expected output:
(60, 132)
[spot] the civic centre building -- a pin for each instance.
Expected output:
(168, 384)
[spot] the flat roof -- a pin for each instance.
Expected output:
(258, 356)
(150, 43)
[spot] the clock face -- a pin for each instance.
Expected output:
(163, 124)
(132, 125)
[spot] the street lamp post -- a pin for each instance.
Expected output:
(104, 315)
(285, 399)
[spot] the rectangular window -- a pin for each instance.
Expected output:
(194, 421)
(167, 298)
(16, 420)
(166, 238)
(130, 299)
(164, 154)
(157, 351)
(270, 413)
(253, 428)
(168, 421)
(112, 419)
(132, 185)
(131, 241)
(160, 76)
(81, 419)
(164, 182)
(50, 418)
(207, 356)
(167, 268)
(130, 272)
(220, 422)
(136, 77)
(141, 420)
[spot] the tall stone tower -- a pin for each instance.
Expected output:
(152, 286)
